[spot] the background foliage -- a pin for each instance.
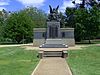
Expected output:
(18, 27)
(85, 21)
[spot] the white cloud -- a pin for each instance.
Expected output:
(35, 3)
(4, 2)
(66, 4)
(78, 1)
(1, 8)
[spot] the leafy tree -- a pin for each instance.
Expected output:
(86, 2)
(86, 22)
(79, 19)
(92, 24)
(62, 21)
(1, 23)
(38, 16)
(20, 24)
(3, 16)
(70, 17)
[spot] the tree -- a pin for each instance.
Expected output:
(38, 16)
(70, 17)
(20, 24)
(86, 22)
(1, 28)
(92, 23)
(62, 21)
(86, 2)
(3, 16)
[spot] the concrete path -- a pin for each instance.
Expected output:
(52, 66)
(13, 45)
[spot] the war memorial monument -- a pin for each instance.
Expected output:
(53, 36)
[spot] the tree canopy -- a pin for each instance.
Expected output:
(85, 21)
(19, 25)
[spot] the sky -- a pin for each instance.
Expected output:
(16, 5)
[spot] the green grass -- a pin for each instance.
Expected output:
(17, 61)
(85, 61)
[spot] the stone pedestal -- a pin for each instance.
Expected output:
(41, 54)
(64, 53)
(66, 37)
(53, 29)
(44, 53)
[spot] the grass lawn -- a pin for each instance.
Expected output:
(17, 61)
(85, 61)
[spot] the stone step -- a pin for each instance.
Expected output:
(52, 54)
(62, 54)
(54, 41)
(53, 46)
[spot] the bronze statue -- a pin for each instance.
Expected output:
(54, 10)
(53, 16)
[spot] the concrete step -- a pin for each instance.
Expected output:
(54, 41)
(62, 54)
(52, 54)
(54, 46)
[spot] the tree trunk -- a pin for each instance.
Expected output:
(19, 38)
(89, 41)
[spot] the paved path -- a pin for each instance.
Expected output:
(9, 45)
(13, 45)
(52, 66)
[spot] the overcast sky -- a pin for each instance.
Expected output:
(15, 5)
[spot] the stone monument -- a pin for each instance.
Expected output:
(53, 36)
